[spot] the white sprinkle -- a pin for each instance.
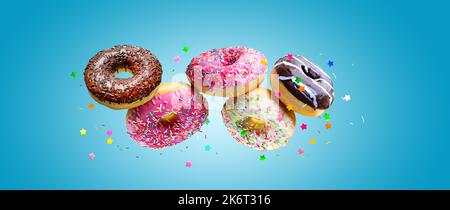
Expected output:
(363, 120)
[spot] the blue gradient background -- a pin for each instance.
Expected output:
(398, 83)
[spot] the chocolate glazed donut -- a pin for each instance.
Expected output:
(303, 85)
(123, 93)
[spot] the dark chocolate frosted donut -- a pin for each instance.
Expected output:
(123, 93)
(306, 82)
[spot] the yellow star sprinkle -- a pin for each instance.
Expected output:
(312, 141)
(289, 107)
(83, 132)
(109, 140)
(264, 61)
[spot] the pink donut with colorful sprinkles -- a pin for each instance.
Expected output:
(230, 71)
(175, 113)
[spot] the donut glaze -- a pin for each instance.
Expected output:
(173, 115)
(305, 81)
(278, 124)
(229, 68)
(118, 93)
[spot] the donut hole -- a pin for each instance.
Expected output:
(122, 72)
(310, 73)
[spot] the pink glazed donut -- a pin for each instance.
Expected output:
(227, 72)
(173, 115)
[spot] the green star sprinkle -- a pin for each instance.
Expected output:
(244, 133)
(186, 48)
(262, 157)
(298, 80)
(73, 74)
(326, 116)
(207, 121)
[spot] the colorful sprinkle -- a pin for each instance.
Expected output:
(73, 74)
(312, 141)
(185, 48)
(207, 148)
(289, 57)
(330, 63)
(91, 106)
(244, 133)
(289, 107)
(346, 98)
(91, 156)
(298, 80)
(207, 121)
(326, 116)
(277, 94)
(301, 151)
(188, 164)
(176, 59)
(109, 132)
(83, 132)
(303, 126)
(264, 61)
(109, 140)
(328, 125)
(301, 88)
(262, 157)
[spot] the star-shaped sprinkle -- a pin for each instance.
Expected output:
(264, 61)
(301, 88)
(244, 133)
(313, 141)
(289, 107)
(91, 156)
(207, 148)
(347, 98)
(109, 132)
(109, 140)
(301, 151)
(328, 125)
(262, 157)
(185, 48)
(303, 126)
(298, 80)
(176, 59)
(326, 116)
(73, 74)
(280, 117)
(91, 106)
(330, 63)
(277, 94)
(188, 164)
(289, 57)
(83, 132)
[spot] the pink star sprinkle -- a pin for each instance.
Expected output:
(109, 132)
(188, 164)
(301, 151)
(91, 156)
(176, 59)
(277, 94)
(289, 57)
(280, 117)
(303, 126)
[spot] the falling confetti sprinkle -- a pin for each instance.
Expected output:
(301, 151)
(303, 126)
(109, 140)
(289, 107)
(264, 61)
(244, 133)
(312, 141)
(277, 94)
(326, 116)
(185, 48)
(83, 132)
(363, 120)
(188, 164)
(109, 132)
(91, 106)
(346, 98)
(328, 125)
(91, 156)
(262, 157)
(176, 59)
(73, 74)
(207, 148)
(330, 63)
